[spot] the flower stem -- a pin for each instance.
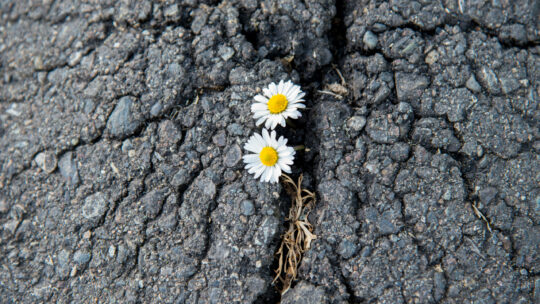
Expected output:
(299, 147)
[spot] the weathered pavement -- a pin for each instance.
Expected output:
(122, 122)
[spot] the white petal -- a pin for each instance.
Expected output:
(260, 121)
(287, 154)
(291, 150)
(279, 173)
(273, 136)
(286, 158)
(295, 90)
(259, 114)
(296, 104)
(255, 138)
(273, 88)
(282, 141)
(261, 141)
(292, 93)
(283, 149)
(266, 136)
(260, 98)
(287, 162)
(294, 99)
(286, 88)
(293, 113)
(274, 177)
(266, 174)
(253, 169)
(259, 107)
(272, 141)
(268, 122)
(276, 172)
(259, 171)
(275, 121)
(252, 146)
(270, 174)
(286, 168)
(251, 158)
(282, 121)
(252, 141)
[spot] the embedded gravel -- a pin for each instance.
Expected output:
(121, 132)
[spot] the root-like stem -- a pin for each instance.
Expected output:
(299, 235)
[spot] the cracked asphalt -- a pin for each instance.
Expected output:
(122, 122)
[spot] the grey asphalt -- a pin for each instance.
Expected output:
(122, 125)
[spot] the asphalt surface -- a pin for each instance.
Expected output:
(121, 132)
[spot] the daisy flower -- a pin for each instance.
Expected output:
(270, 156)
(278, 103)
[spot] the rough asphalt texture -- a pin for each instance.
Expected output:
(122, 125)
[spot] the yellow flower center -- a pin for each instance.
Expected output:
(277, 104)
(268, 156)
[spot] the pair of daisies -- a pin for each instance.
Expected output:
(269, 155)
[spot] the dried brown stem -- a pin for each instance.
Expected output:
(299, 235)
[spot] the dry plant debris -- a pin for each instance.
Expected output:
(299, 235)
(481, 216)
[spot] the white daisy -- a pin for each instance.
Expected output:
(270, 158)
(278, 103)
